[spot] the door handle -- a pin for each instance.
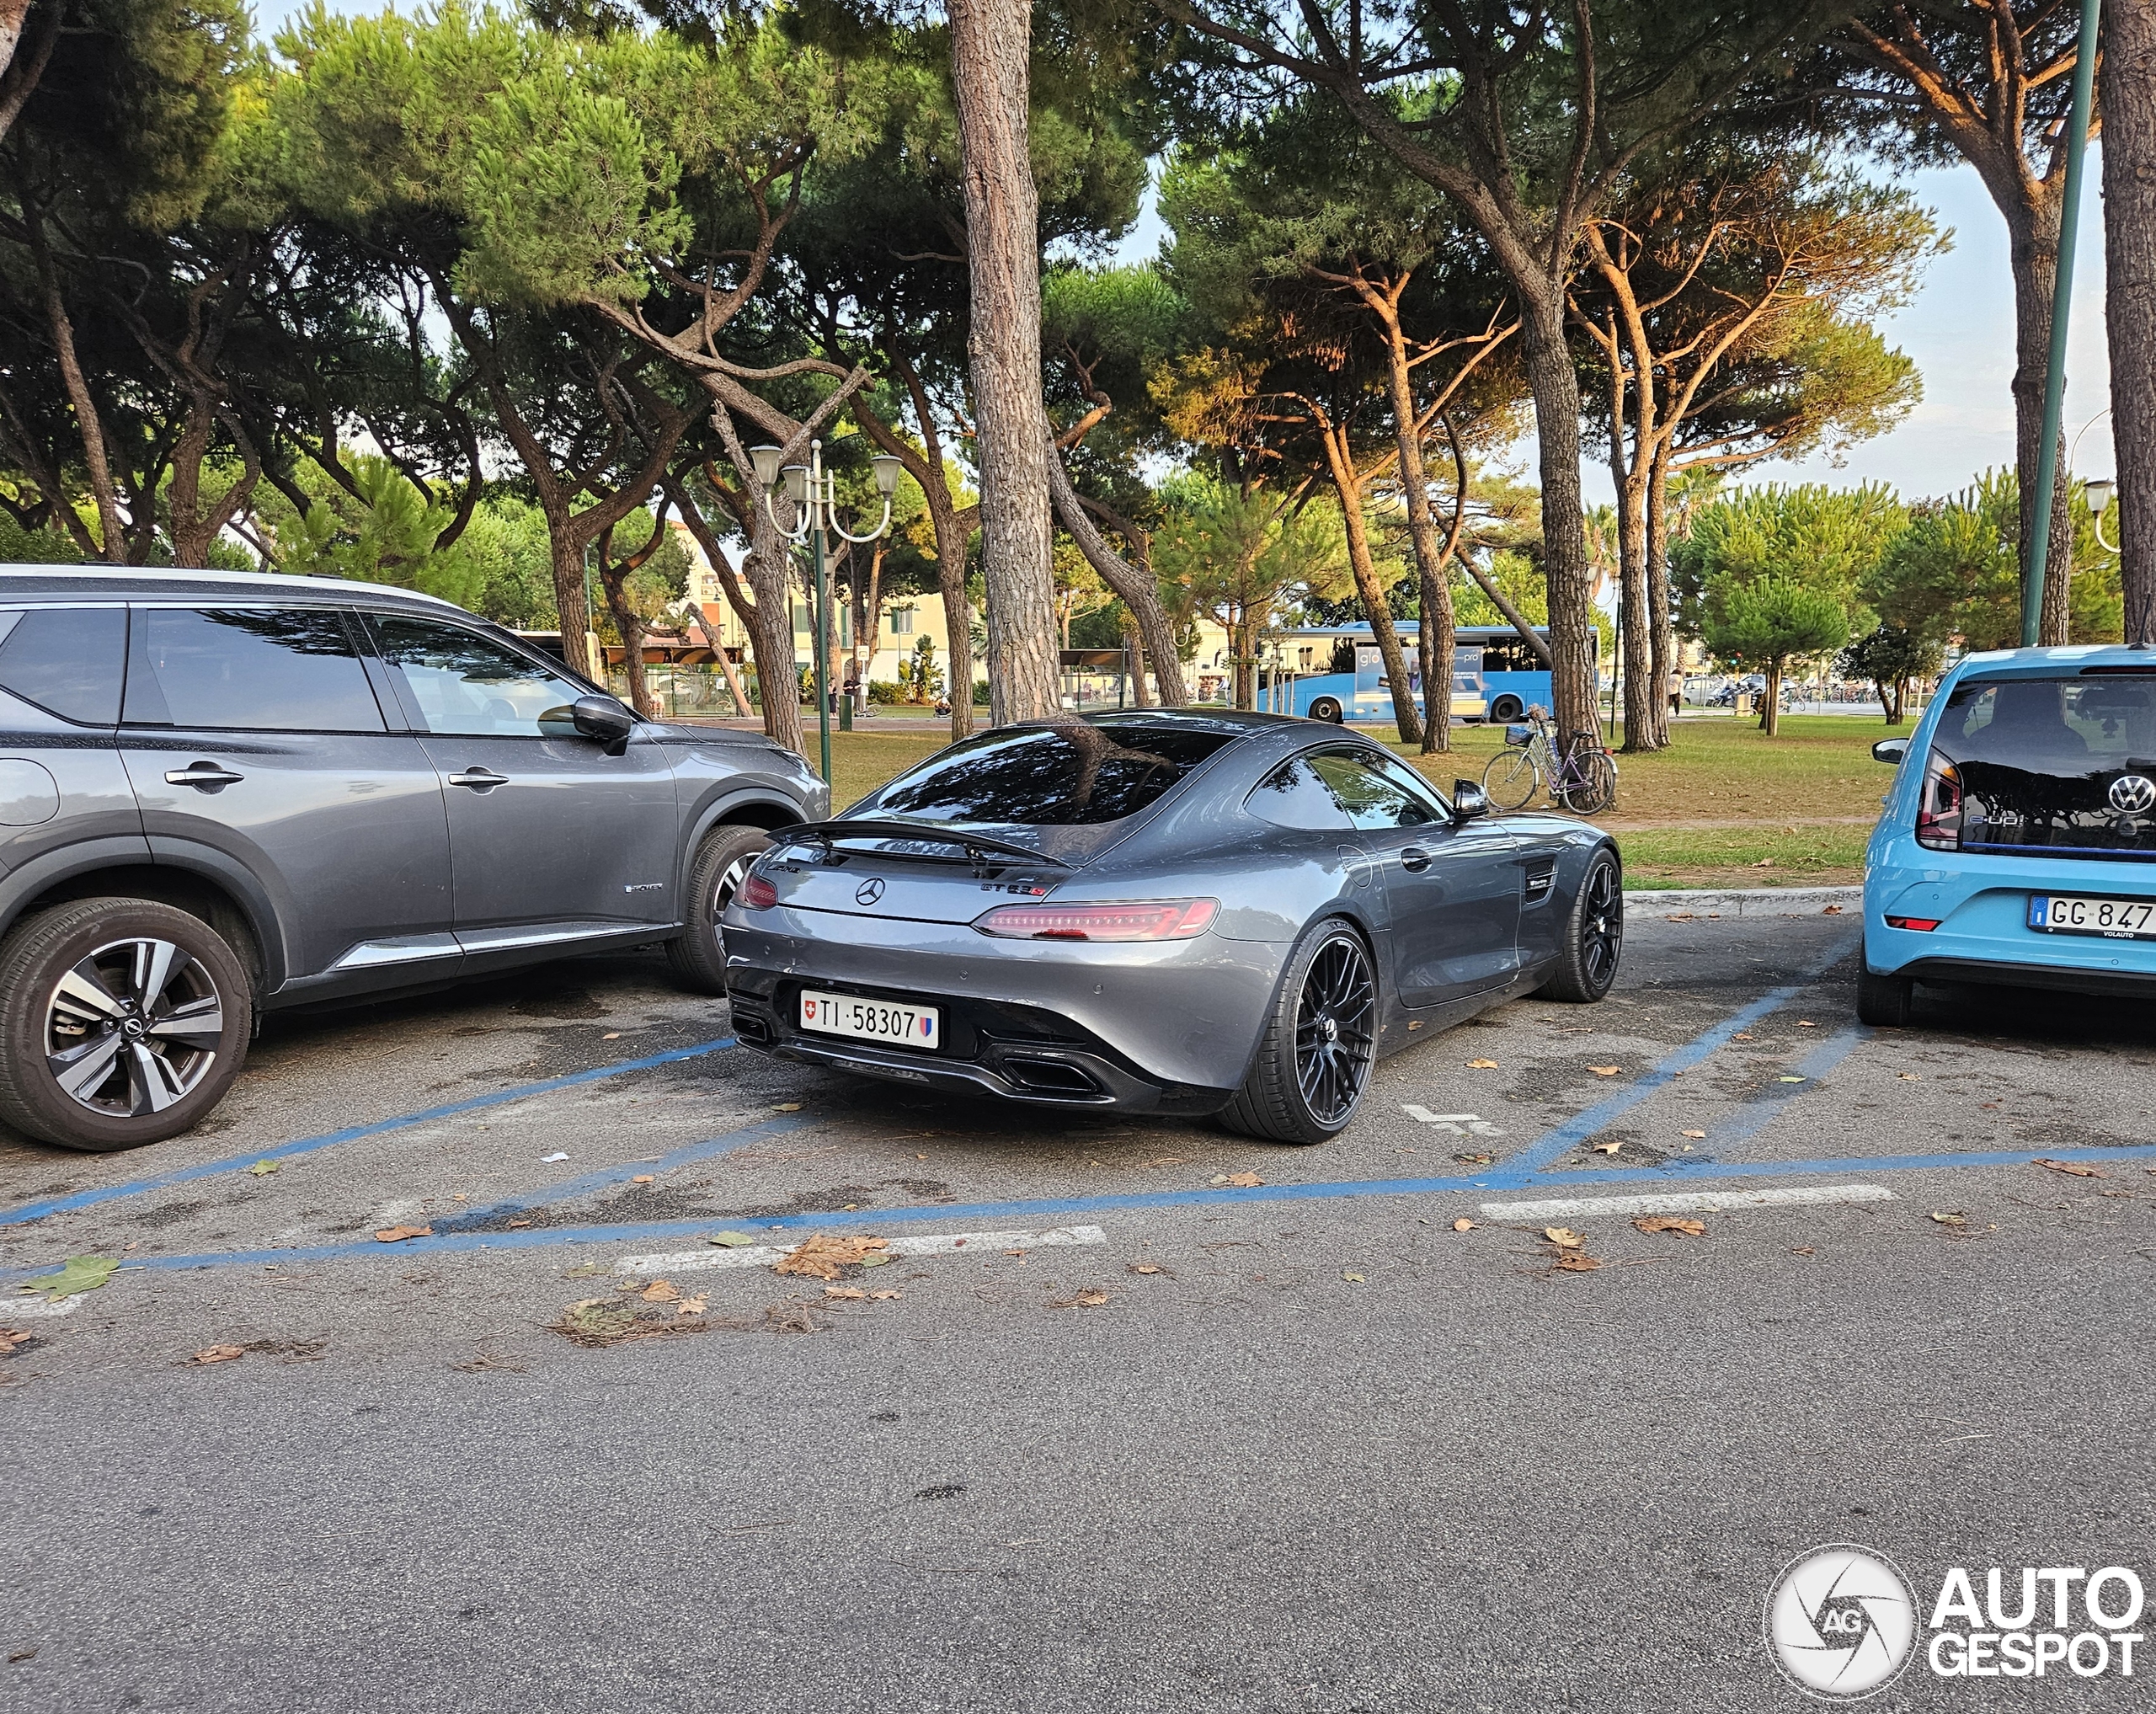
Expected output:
(1414, 858)
(479, 779)
(206, 775)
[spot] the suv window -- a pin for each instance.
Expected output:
(67, 660)
(1075, 773)
(248, 669)
(468, 686)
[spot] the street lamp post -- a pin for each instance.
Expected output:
(814, 495)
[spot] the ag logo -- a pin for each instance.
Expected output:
(1842, 1622)
(2133, 794)
(869, 891)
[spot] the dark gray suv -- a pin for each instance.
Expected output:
(222, 794)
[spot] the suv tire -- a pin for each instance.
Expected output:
(1314, 1061)
(698, 955)
(116, 983)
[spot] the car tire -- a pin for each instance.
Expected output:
(698, 954)
(1327, 708)
(1308, 1081)
(1884, 1002)
(1593, 940)
(1506, 708)
(139, 974)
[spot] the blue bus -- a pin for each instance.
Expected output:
(1496, 675)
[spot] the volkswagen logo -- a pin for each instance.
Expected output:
(2133, 794)
(1841, 1622)
(870, 890)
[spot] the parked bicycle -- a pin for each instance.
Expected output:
(1584, 779)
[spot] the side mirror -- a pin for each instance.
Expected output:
(1891, 750)
(1468, 800)
(605, 720)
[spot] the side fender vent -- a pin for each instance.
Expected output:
(1541, 876)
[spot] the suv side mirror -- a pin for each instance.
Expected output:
(605, 720)
(1468, 800)
(1891, 750)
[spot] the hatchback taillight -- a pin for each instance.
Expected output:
(1151, 919)
(757, 893)
(1938, 810)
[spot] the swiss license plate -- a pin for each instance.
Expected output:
(2114, 919)
(872, 1020)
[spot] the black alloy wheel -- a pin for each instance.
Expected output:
(1313, 1062)
(1594, 940)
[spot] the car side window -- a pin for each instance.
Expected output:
(1373, 792)
(1294, 795)
(248, 669)
(467, 686)
(67, 660)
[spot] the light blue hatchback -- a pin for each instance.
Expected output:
(2018, 843)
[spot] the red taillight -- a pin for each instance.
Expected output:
(1923, 924)
(1153, 919)
(757, 893)
(1938, 810)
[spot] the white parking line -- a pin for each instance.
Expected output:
(935, 1244)
(27, 1308)
(1685, 1202)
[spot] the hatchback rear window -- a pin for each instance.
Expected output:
(2054, 766)
(1072, 774)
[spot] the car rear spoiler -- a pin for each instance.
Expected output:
(977, 846)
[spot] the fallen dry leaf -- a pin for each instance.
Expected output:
(788, 1106)
(1564, 1237)
(1806, 1251)
(693, 1306)
(1609, 1148)
(732, 1240)
(1245, 1181)
(823, 1255)
(14, 1339)
(1481, 1064)
(645, 1178)
(1695, 1136)
(2073, 1166)
(220, 1354)
(1832, 911)
(1605, 1071)
(884, 1296)
(263, 1168)
(396, 1235)
(1951, 1220)
(1463, 1224)
(611, 1035)
(849, 1294)
(1806, 1024)
(661, 1291)
(1576, 1262)
(1740, 1037)
(1084, 1299)
(1671, 1223)
(1910, 1077)
(1146, 1267)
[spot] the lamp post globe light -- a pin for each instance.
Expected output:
(813, 492)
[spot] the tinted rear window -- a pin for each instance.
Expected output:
(255, 669)
(1071, 775)
(2039, 759)
(67, 660)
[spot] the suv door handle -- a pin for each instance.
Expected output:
(207, 775)
(479, 779)
(1414, 858)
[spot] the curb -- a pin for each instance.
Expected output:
(1748, 901)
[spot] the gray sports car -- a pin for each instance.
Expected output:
(1162, 911)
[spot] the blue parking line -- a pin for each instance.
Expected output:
(308, 1145)
(1757, 1113)
(1040, 1211)
(607, 1177)
(1562, 1139)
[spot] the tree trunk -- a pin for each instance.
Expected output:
(572, 600)
(1134, 658)
(1770, 711)
(951, 538)
(1661, 620)
(1243, 637)
(1348, 486)
(112, 533)
(991, 41)
(1554, 383)
(1134, 585)
(2128, 73)
(613, 578)
(2033, 249)
(1435, 629)
(1633, 621)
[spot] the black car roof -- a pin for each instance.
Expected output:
(120, 583)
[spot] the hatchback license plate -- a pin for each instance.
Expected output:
(872, 1020)
(2113, 919)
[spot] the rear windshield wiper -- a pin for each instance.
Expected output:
(975, 845)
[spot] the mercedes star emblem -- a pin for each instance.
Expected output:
(870, 890)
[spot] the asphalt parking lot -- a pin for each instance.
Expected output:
(1119, 1415)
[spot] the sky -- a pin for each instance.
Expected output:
(1959, 328)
